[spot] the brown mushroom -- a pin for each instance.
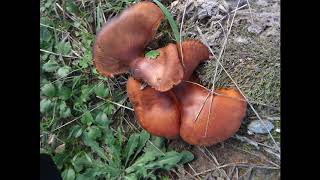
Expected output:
(124, 38)
(157, 112)
(194, 52)
(163, 72)
(208, 118)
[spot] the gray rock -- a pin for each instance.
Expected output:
(260, 127)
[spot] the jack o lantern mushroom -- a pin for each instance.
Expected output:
(208, 118)
(157, 112)
(194, 52)
(162, 72)
(124, 38)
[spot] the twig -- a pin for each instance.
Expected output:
(49, 52)
(181, 26)
(116, 103)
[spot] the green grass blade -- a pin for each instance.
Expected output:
(172, 22)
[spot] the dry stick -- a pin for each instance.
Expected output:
(244, 164)
(115, 103)
(44, 25)
(207, 123)
(49, 52)
(184, 12)
(75, 119)
(250, 11)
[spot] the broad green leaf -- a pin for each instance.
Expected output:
(102, 119)
(172, 22)
(50, 66)
(131, 146)
(45, 105)
(87, 118)
(152, 54)
(92, 173)
(49, 90)
(63, 71)
(93, 132)
(156, 145)
(68, 174)
(101, 90)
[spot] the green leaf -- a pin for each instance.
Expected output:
(64, 93)
(87, 118)
(131, 145)
(64, 111)
(144, 136)
(109, 109)
(156, 145)
(48, 90)
(101, 91)
(172, 22)
(50, 66)
(76, 131)
(94, 132)
(94, 146)
(102, 119)
(140, 162)
(186, 157)
(68, 174)
(45, 105)
(63, 71)
(152, 54)
(168, 161)
(81, 160)
(63, 48)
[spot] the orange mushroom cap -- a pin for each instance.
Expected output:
(157, 112)
(163, 72)
(219, 119)
(194, 52)
(124, 38)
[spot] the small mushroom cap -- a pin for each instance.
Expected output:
(124, 38)
(157, 112)
(161, 73)
(194, 52)
(212, 125)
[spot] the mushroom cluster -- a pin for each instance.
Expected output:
(172, 104)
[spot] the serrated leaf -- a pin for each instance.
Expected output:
(141, 161)
(169, 160)
(87, 118)
(152, 54)
(102, 119)
(144, 136)
(94, 146)
(48, 90)
(50, 66)
(101, 91)
(63, 71)
(108, 109)
(131, 145)
(68, 174)
(45, 105)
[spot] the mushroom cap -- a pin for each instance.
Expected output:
(157, 112)
(194, 52)
(161, 73)
(124, 38)
(224, 119)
